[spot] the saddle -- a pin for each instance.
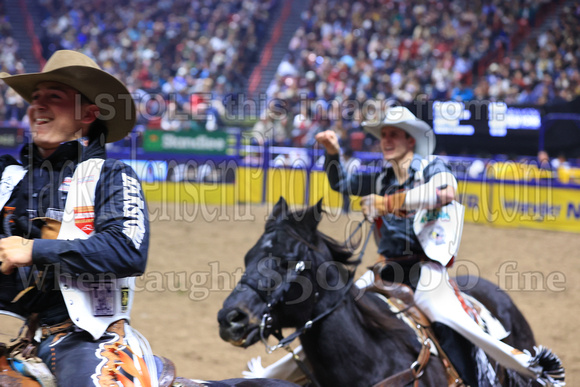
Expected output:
(10, 377)
(18, 364)
(399, 298)
(19, 367)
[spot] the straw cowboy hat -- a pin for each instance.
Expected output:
(402, 118)
(83, 74)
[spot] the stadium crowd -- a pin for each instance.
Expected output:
(192, 54)
(350, 51)
(164, 49)
(12, 106)
(545, 71)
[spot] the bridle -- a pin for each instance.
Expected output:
(271, 301)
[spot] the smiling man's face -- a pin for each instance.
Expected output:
(56, 115)
(396, 145)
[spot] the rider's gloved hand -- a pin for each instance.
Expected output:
(374, 205)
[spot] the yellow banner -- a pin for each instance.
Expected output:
(534, 206)
(498, 203)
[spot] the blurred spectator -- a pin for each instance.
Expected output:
(560, 162)
(543, 160)
(462, 92)
(269, 130)
(15, 107)
(350, 53)
(175, 48)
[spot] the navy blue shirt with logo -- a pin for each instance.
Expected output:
(118, 247)
(397, 237)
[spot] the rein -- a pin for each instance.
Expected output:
(266, 322)
(267, 319)
(284, 342)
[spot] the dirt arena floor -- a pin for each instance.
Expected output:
(196, 258)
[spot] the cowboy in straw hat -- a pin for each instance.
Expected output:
(74, 215)
(412, 183)
(71, 68)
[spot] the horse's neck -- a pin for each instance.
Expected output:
(342, 350)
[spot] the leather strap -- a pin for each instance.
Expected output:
(453, 378)
(402, 297)
(56, 328)
(381, 260)
(411, 374)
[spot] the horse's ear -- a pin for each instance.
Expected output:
(313, 215)
(280, 209)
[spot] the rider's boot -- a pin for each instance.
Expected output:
(436, 297)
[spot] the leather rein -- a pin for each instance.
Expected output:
(400, 379)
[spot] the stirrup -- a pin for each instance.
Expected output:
(34, 368)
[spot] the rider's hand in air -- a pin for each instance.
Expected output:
(329, 141)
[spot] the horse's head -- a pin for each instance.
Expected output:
(293, 273)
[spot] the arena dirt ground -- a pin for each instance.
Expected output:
(197, 253)
(196, 256)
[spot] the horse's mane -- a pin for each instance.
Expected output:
(371, 314)
(377, 315)
(298, 225)
(341, 252)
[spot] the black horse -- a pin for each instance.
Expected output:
(300, 278)
(235, 383)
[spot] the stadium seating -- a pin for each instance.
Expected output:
(407, 51)
(191, 54)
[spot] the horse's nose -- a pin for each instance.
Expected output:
(236, 317)
(233, 325)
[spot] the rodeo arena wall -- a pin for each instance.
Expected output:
(227, 166)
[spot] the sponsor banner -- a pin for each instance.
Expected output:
(11, 137)
(495, 203)
(540, 207)
(320, 189)
(475, 197)
(519, 204)
(207, 143)
(290, 183)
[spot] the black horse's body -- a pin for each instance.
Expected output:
(248, 383)
(295, 274)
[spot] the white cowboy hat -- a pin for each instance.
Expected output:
(402, 118)
(83, 74)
